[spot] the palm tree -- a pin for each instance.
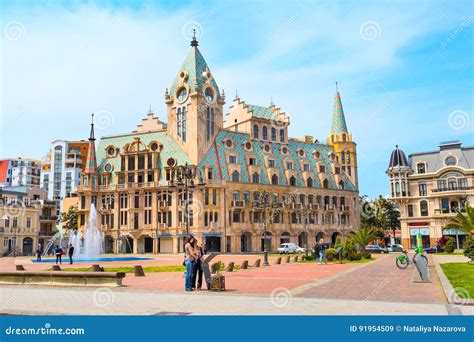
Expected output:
(363, 236)
(462, 221)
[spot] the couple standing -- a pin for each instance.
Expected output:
(193, 262)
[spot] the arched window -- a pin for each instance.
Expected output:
(292, 181)
(255, 177)
(348, 157)
(235, 176)
(264, 133)
(275, 180)
(344, 137)
(183, 123)
(178, 121)
(325, 184)
(274, 134)
(452, 184)
(397, 189)
(343, 157)
(424, 208)
(210, 123)
(341, 184)
(255, 131)
(326, 200)
(309, 182)
(282, 135)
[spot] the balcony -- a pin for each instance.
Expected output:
(453, 188)
(238, 204)
(329, 207)
(48, 217)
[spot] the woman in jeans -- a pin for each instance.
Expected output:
(322, 252)
(197, 266)
(188, 261)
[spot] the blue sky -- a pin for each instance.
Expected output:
(405, 69)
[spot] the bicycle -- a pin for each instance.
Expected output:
(403, 260)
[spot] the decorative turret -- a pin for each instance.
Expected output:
(398, 170)
(341, 140)
(91, 162)
(195, 105)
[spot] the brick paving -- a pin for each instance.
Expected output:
(381, 281)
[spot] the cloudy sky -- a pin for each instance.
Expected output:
(405, 69)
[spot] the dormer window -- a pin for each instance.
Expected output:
(181, 95)
(421, 168)
(450, 161)
(289, 165)
(209, 95)
(252, 161)
(271, 163)
(265, 133)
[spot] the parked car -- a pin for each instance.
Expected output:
(395, 248)
(433, 249)
(376, 248)
(286, 248)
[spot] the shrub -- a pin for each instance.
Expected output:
(217, 267)
(469, 248)
(338, 242)
(449, 246)
(366, 255)
(330, 253)
(348, 247)
(441, 241)
(310, 257)
(355, 256)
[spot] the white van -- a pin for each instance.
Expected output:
(287, 248)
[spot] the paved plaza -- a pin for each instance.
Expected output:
(373, 288)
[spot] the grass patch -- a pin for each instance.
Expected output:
(461, 276)
(147, 269)
(454, 253)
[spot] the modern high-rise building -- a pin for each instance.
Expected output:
(429, 188)
(61, 168)
(239, 185)
(20, 172)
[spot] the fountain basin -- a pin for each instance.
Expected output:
(103, 259)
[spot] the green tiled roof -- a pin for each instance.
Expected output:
(260, 112)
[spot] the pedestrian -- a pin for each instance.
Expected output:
(204, 248)
(39, 252)
(316, 251)
(58, 251)
(188, 262)
(197, 267)
(322, 252)
(71, 253)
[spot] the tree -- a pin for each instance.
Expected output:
(380, 214)
(69, 218)
(462, 221)
(363, 236)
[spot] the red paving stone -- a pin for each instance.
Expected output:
(381, 281)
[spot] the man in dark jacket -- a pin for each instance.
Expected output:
(71, 253)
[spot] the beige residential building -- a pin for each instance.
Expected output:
(27, 219)
(430, 187)
(135, 179)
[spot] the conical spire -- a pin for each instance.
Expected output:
(91, 162)
(194, 72)
(338, 119)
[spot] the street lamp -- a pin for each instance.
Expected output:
(263, 203)
(305, 212)
(182, 175)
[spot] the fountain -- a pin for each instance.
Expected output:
(88, 247)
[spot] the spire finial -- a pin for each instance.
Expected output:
(396, 146)
(236, 95)
(150, 111)
(271, 101)
(91, 135)
(194, 42)
(337, 90)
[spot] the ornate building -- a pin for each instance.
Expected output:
(430, 187)
(243, 177)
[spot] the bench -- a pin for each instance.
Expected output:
(62, 278)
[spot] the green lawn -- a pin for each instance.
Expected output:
(454, 253)
(461, 276)
(147, 269)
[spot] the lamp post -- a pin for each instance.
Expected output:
(263, 203)
(305, 213)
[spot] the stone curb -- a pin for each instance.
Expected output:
(448, 289)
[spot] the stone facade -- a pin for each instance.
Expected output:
(311, 186)
(430, 187)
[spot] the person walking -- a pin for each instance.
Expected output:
(197, 267)
(70, 253)
(58, 251)
(316, 252)
(322, 252)
(39, 252)
(188, 262)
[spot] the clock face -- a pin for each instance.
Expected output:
(182, 94)
(209, 95)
